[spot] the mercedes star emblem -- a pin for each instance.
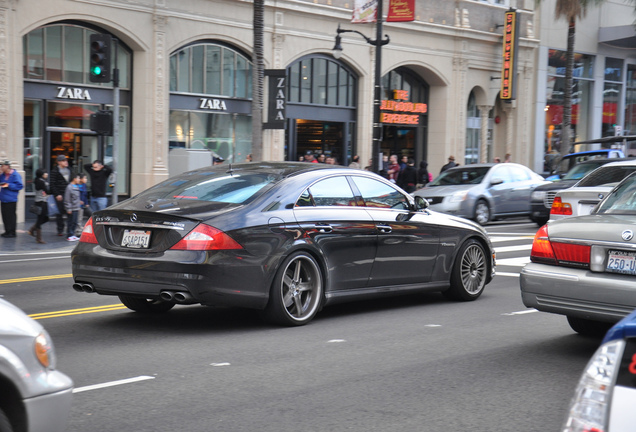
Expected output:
(133, 217)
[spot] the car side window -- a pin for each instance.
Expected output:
(518, 174)
(502, 172)
(380, 195)
(333, 191)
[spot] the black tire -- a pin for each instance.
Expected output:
(541, 221)
(586, 327)
(296, 292)
(148, 306)
(469, 274)
(5, 425)
(482, 212)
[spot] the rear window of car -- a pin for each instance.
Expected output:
(458, 176)
(214, 187)
(606, 174)
(580, 171)
(622, 200)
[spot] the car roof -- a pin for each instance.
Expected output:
(599, 151)
(622, 162)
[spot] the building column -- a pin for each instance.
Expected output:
(161, 98)
(274, 139)
(483, 148)
(510, 110)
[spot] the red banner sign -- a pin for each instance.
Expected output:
(509, 69)
(401, 10)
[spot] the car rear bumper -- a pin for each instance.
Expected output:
(578, 293)
(50, 412)
(539, 211)
(219, 279)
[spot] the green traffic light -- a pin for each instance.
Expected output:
(96, 70)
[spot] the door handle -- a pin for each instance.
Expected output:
(384, 229)
(324, 228)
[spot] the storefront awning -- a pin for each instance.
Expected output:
(618, 36)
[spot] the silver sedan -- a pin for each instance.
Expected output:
(483, 192)
(585, 267)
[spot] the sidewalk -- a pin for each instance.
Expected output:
(23, 242)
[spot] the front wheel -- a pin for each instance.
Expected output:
(296, 292)
(149, 306)
(5, 425)
(482, 212)
(586, 327)
(469, 274)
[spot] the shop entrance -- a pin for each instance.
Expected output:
(331, 139)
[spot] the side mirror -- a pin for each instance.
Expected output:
(420, 203)
(495, 181)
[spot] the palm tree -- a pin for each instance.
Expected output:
(570, 10)
(258, 78)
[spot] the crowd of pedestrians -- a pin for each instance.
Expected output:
(63, 195)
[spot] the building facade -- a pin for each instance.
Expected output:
(604, 87)
(185, 84)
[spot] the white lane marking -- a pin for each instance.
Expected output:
(220, 364)
(507, 274)
(112, 383)
(67, 252)
(527, 311)
(433, 325)
(513, 248)
(524, 235)
(513, 262)
(496, 239)
(336, 341)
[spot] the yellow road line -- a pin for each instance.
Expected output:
(70, 312)
(35, 278)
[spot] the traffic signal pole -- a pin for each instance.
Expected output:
(115, 122)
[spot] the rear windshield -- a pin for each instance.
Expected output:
(459, 176)
(212, 186)
(622, 200)
(605, 175)
(580, 171)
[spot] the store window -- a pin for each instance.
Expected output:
(211, 69)
(321, 81)
(581, 99)
(59, 53)
(612, 90)
(630, 101)
(210, 91)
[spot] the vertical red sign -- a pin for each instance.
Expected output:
(401, 10)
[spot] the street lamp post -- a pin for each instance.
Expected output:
(378, 42)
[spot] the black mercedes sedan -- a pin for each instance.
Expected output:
(286, 238)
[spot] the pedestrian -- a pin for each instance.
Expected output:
(309, 157)
(422, 174)
(59, 179)
(249, 158)
(85, 208)
(394, 169)
(508, 158)
(355, 163)
(497, 159)
(404, 162)
(321, 158)
(41, 183)
(10, 185)
(451, 163)
(407, 179)
(99, 173)
(72, 206)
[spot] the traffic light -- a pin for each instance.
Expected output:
(99, 69)
(102, 122)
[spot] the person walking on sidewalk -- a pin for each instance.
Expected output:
(10, 185)
(41, 194)
(60, 178)
(72, 204)
(98, 172)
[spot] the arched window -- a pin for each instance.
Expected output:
(404, 79)
(211, 69)
(59, 52)
(319, 80)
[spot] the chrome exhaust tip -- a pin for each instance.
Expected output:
(166, 296)
(78, 287)
(89, 288)
(183, 297)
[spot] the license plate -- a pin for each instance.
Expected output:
(136, 239)
(621, 262)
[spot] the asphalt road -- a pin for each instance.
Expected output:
(413, 363)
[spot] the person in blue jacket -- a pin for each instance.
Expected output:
(10, 185)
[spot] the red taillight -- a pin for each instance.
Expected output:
(557, 253)
(205, 237)
(572, 254)
(560, 208)
(88, 235)
(541, 248)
